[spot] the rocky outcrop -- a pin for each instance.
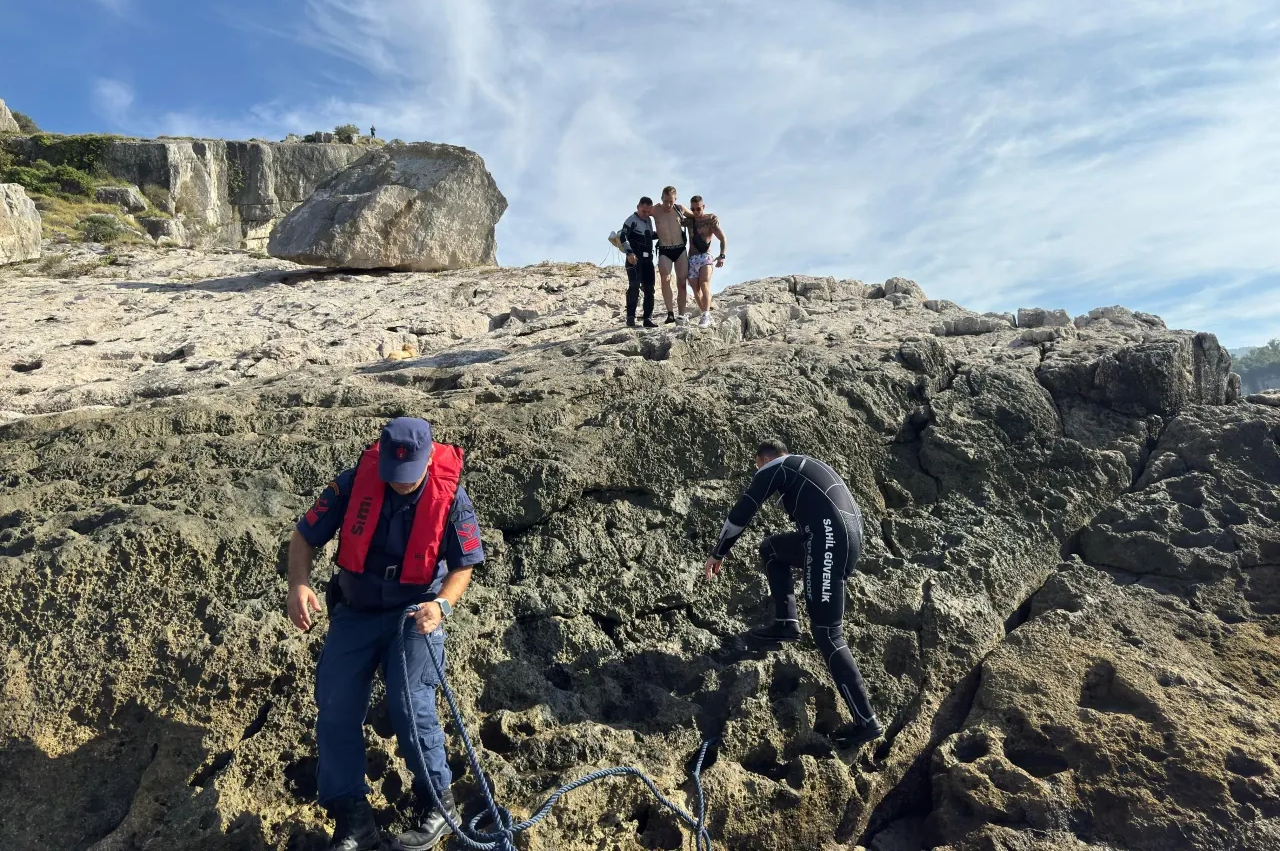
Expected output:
(229, 194)
(165, 231)
(1136, 707)
(420, 207)
(19, 225)
(1038, 317)
(128, 198)
(8, 124)
(141, 575)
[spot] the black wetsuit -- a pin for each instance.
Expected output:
(637, 236)
(827, 546)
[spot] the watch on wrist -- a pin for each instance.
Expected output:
(445, 608)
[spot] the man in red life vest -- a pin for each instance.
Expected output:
(407, 535)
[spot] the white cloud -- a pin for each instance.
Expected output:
(1005, 154)
(113, 100)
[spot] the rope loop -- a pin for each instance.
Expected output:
(500, 826)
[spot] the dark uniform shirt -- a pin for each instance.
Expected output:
(373, 590)
(808, 490)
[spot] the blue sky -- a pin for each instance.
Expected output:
(1008, 154)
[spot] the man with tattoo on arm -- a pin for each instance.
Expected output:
(702, 227)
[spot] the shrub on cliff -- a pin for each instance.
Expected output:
(159, 197)
(101, 227)
(346, 133)
(48, 179)
(80, 152)
(25, 124)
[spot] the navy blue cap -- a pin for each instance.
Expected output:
(403, 450)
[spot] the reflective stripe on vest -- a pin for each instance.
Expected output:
(429, 519)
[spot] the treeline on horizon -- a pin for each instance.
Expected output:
(1260, 369)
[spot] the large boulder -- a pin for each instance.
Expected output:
(19, 225)
(165, 231)
(128, 198)
(1039, 317)
(8, 124)
(421, 207)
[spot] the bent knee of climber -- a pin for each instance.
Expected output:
(829, 638)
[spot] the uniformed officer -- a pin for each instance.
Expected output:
(407, 535)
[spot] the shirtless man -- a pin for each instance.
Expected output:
(702, 226)
(667, 218)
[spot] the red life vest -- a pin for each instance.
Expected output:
(429, 519)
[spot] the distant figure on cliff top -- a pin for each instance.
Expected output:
(636, 240)
(702, 227)
(826, 546)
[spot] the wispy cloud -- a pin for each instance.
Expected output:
(113, 100)
(1003, 154)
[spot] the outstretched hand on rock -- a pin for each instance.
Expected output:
(302, 602)
(712, 567)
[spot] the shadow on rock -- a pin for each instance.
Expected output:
(143, 779)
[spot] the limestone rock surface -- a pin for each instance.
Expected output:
(1039, 317)
(165, 231)
(230, 193)
(8, 124)
(420, 207)
(19, 225)
(173, 414)
(1139, 698)
(127, 197)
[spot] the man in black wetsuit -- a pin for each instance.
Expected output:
(637, 236)
(826, 547)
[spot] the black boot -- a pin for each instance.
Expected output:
(433, 827)
(776, 632)
(853, 734)
(355, 829)
(649, 323)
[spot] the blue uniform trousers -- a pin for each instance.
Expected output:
(357, 644)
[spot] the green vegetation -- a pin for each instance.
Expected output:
(159, 198)
(1259, 365)
(80, 152)
(58, 265)
(63, 216)
(25, 124)
(60, 173)
(346, 133)
(48, 179)
(235, 180)
(101, 227)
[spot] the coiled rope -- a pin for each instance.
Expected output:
(502, 826)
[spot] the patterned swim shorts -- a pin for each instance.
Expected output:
(696, 262)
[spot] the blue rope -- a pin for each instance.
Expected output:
(502, 835)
